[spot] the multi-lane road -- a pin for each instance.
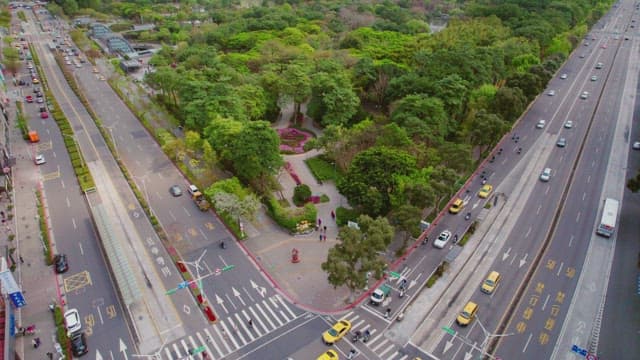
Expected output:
(556, 221)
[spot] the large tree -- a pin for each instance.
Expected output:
(255, 153)
(372, 178)
(357, 253)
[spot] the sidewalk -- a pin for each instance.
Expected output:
(304, 283)
(37, 280)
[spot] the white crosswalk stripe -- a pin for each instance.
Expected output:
(377, 342)
(233, 333)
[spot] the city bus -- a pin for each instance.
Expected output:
(609, 218)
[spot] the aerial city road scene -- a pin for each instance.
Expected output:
(338, 179)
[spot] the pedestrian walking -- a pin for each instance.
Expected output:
(21, 260)
(333, 215)
(387, 313)
(34, 343)
(319, 222)
(50, 355)
(325, 229)
(320, 237)
(250, 323)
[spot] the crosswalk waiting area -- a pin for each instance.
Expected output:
(233, 332)
(378, 343)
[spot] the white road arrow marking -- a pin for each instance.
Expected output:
(506, 254)
(220, 302)
(447, 345)
(237, 294)
(123, 348)
(412, 283)
(467, 355)
(524, 259)
(260, 289)
(98, 355)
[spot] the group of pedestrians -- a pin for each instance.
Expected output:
(323, 228)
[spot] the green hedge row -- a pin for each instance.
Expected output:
(289, 218)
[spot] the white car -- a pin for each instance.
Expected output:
(563, 76)
(192, 189)
(442, 239)
(568, 124)
(541, 123)
(584, 95)
(546, 174)
(72, 321)
(39, 160)
(551, 92)
(636, 145)
(594, 78)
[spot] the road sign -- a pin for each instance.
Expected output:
(449, 330)
(394, 274)
(198, 350)
(583, 352)
(228, 267)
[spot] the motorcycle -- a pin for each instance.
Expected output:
(356, 336)
(467, 216)
(222, 245)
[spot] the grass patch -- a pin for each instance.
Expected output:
(322, 169)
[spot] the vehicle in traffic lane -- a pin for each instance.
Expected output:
(584, 95)
(485, 191)
(175, 190)
(442, 239)
(562, 142)
(79, 344)
(551, 92)
(467, 314)
(60, 263)
(563, 76)
(594, 78)
(568, 124)
(39, 159)
(328, 355)
(636, 145)
(336, 332)
(541, 123)
(72, 321)
(44, 115)
(546, 174)
(491, 282)
(599, 65)
(456, 206)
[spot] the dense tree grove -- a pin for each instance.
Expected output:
(405, 110)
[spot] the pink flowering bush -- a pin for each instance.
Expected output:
(292, 140)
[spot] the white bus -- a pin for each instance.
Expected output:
(609, 218)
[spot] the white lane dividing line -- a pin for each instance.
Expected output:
(224, 334)
(570, 240)
(212, 342)
(384, 341)
(204, 342)
(168, 353)
(259, 319)
(284, 303)
(185, 346)
(356, 325)
(527, 343)
(73, 221)
(275, 304)
(578, 216)
(560, 268)
(546, 301)
(386, 350)
(264, 302)
(242, 322)
(264, 315)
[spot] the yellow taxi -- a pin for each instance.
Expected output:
(485, 191)
(491, 282)
(457, 205)
(468, 314)
(328, 355)
(337, 332)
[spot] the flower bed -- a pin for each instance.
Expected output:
(293, 140)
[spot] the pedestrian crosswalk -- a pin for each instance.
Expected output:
(378, 343)
(233, 332)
